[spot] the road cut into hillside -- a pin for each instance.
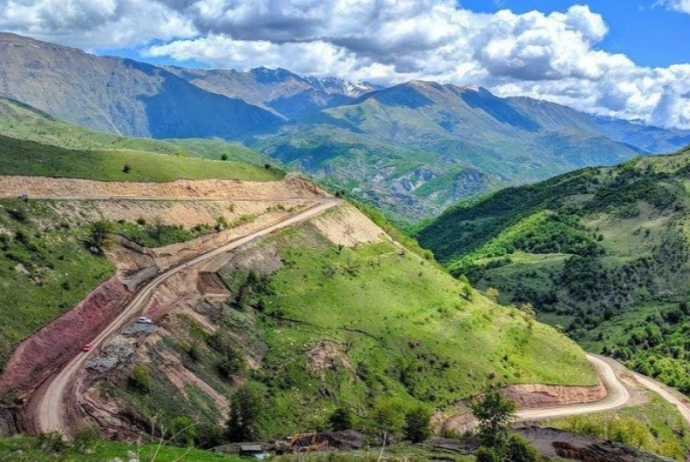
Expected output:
(52, 407)
(617, 395)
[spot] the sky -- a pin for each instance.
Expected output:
(621, 58)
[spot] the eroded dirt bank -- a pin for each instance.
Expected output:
(41, 354)
(537, 396)
(292, 187)
(525, 396)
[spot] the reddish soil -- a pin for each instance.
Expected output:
(41, 354)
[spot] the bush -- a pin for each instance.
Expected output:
(99, 235)
(51, 442)
(246, 409)
(86, 436)
(183, 431)
(520, 450)
(486, 454)
(387, 418)
(140, 378)
(341, 419)
(417, 427)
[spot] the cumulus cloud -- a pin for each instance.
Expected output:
(549, 56)
(92, 24)
(682, 6)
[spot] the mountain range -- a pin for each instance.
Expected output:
(411, 149)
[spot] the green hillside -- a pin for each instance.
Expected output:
(416, 148)
(602, 252)
(33, 143)
(394, 325)
(386, 324)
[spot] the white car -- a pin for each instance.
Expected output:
(144, 320)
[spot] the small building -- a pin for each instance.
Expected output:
(253, 450)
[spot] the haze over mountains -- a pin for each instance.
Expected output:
(411, 149)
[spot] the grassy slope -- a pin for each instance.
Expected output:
(43, 273)
(407, 330)
(33, 143)
(19, 449)
(402, 328)
(20, 157)
(665, 432)
(602, 252)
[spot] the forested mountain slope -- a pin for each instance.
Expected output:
(603, 252)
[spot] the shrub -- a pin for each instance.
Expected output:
(486, 454)
(51, 442)
(520, 450)
(341, 419)
(183, 431)
(86, 436)
(140, 378)
(417, 427)
(246, 409)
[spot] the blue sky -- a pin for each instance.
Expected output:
(621, 58)
(650, 35)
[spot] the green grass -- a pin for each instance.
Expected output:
(664, 431)
(405, 325)
(25, 449)
(23, 122)
(43, 272)
(21, 157)
(603, 252)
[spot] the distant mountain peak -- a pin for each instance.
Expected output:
(473, 87)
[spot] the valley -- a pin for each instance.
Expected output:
(202, 263)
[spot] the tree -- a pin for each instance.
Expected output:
(417, 427)
(494, 414)
(246, 407)
(126, 169)
(99, 235)
(224, 157)
(387, 417)
(341, 419)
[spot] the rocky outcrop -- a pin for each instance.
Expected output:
(44, 352)
(552, 442)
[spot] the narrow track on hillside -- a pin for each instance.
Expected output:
(48, 407)
(617, 395)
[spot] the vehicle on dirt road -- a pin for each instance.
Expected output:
(87, 347)
(144, 320)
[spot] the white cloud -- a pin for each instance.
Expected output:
(91, 24)
(552, 56)
(682, 6)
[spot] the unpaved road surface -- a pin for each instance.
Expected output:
(672, 397)
(51, 400)
(617, 396)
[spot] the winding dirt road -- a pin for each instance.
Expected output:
(617, 396)
(49, 408)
